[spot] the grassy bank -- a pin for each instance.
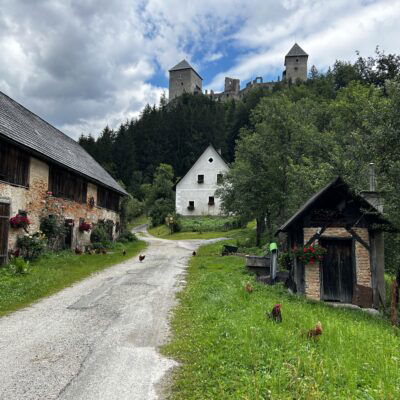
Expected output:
(53, 272)
(230, 350)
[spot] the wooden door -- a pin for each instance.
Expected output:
(4, 224)
(337, 275)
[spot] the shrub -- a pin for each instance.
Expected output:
(127, 237)
(173, 221)
(18, 266)
(160, 210)
(53, 227)
(99, 234)
(31, 246)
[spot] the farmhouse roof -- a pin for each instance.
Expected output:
(25, 128)
(335, 184)
(296, 51)
(184, 65)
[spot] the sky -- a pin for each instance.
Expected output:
(85, 64)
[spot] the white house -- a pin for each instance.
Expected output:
(195, 192)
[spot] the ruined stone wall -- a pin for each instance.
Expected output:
(37, 202)
(363, 266)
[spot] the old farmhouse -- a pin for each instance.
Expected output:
(350, 227)
(45, 173)
(195, 192)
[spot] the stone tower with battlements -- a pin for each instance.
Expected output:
(183, 79)
(296, 64)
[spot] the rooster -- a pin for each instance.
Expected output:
(276, 314)
(141, 258)
(78, 250)
(316, 332)
(248, 288)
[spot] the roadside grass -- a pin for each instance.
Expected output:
(55, 271)
(141, 220)
(202, 227)
(228, 349)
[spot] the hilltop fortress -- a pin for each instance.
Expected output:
(184, 79)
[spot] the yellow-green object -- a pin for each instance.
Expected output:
(273, 246)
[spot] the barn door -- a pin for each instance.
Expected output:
(4, 224)
(337, 271)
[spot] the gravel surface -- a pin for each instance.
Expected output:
(97, 339)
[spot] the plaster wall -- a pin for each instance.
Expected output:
(296, 68)
(189, 190)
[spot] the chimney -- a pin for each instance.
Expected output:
(371, 195)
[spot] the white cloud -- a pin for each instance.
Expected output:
(83, 64)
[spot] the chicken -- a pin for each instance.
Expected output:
(124, 252)
(141, 258)
(103, 251)
(248, 288)
(276, 314)
(316, 332)
(78, 250)
(194, 253)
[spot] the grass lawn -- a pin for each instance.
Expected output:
(141, 220)
(228, 349)
(53, 272)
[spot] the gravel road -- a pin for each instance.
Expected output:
(97, 339)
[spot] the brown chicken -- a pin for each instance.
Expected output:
(78, 250)
(194, 253)
(276, 314)
(141, 258)
(316, 332)
(103, 251)
(248, 288)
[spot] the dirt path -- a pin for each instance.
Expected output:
(97, 339)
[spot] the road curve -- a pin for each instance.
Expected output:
(97, 339)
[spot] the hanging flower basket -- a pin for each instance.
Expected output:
(85, 227)
(309, 254)
(19, 221)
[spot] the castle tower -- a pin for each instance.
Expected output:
(296, 64)
(183, 79)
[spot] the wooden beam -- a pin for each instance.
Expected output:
(315, 236)
(358, 238)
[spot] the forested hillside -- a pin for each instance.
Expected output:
(287, 142)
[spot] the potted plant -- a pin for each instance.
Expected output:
(309, 254)
(85, 226)
(19, 221)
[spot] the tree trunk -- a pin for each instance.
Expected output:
(260, 229)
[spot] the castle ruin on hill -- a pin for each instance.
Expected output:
(183, 78)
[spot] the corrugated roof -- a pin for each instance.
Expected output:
(184, 65)
(296, 51)
(24, 127)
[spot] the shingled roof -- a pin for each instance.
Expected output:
(184, 65)
(25, 128)
(296, 51)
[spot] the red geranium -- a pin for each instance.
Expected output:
(309, 254)
(19, 221)
(85, 226)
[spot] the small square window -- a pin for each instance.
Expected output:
(191, 206)
(211, 201)
(210, 160)
(200, 178)
(219, 178)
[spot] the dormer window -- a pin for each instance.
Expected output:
(200, 178)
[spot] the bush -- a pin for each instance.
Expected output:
(54, 229)
(99, 234)
(127, 237)
(18, 266)
(31, 246)
(160, 210)
(173, 221)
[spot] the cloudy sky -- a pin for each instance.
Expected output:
(82, 64)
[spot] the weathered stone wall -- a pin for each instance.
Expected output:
(363, 266)
(296, 68)
(36, 201)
